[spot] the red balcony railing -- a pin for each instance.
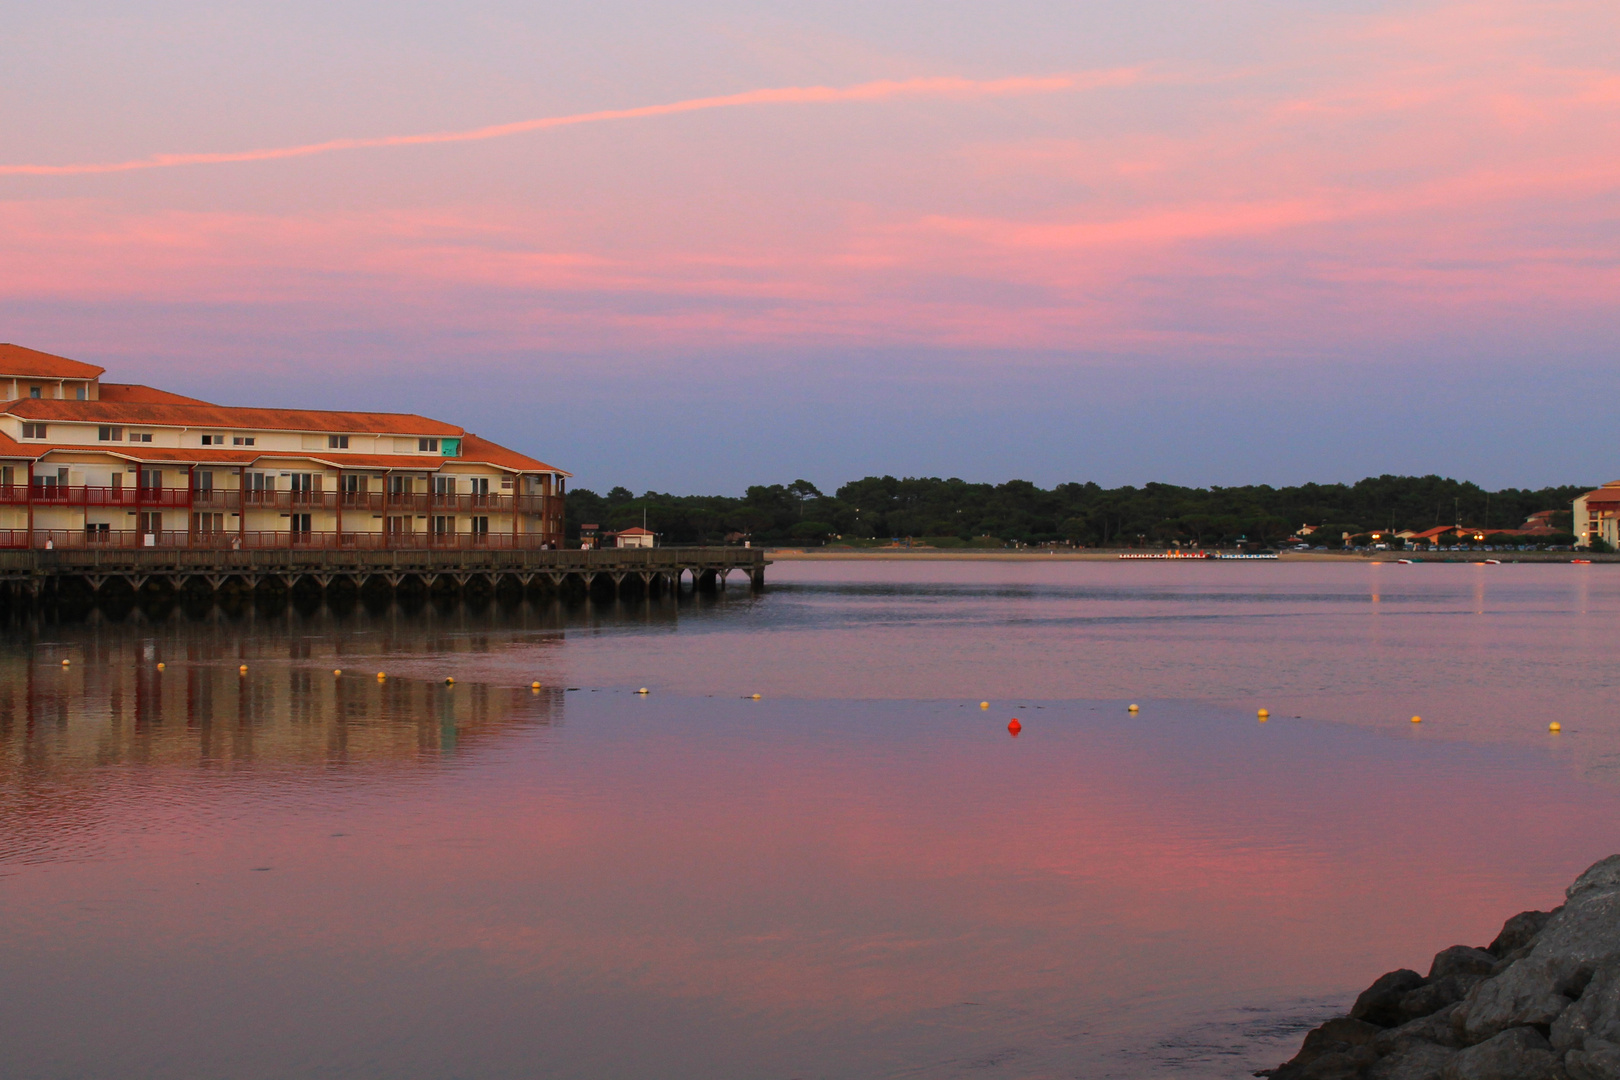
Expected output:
(44, 494)
(79, 540)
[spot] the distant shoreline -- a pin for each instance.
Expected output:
(1113, 555)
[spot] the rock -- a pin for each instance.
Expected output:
(1380, 1003)
(1562, 959)
(1434, 1029)
(1413, 1061)
(1461, 960)
(1600, 877)
(1339, 1048)
(1596, 1016)
(1518, 931)
(1520, 1053)
(1541, 1003)
(1436, 995)
(1599, 1061)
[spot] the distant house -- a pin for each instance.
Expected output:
(1428, 536)
(633, 538)
(587, 536)
(1539, 522)
(1597, 516)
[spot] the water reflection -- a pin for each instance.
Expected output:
(113, 705)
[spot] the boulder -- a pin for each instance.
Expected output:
(1541, 1003)
(1520, 1053)
(1412, 1061)
(1380, 1003)
(1518, 932)
(1599, 1061)
(1437, 994)
(1338, 1049)
(1432, 1030)
(1563, 957)
(1461, 960)
(1596, 1016)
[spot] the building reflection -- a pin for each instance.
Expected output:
(112, 704)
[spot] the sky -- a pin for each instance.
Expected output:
(691, 247)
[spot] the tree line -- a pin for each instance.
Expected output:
(955, 512)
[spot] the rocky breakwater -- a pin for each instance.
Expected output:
(1541, 1002)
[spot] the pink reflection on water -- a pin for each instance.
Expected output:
(610, 886)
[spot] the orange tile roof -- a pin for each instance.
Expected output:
(214, 455)
(480, 450)
(132, 393)
(33, 364)
(223, 416)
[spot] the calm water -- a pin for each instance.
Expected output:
(290, 873)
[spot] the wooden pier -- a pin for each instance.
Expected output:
(36, 574)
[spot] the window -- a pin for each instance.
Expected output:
(113, 434)
(202, 482)
(213, 440)
(33, 391)
(98, 532)
(208, 523)
(480, 526)
(140, 436)
(82, 393)
(337, 442)
(480, 485)
(151, 479)
(444, 526)
(242, 440)
(399, 485)
(428, 446)
(261, 487)
(33, 431)
(301, 524)
(150, 522)
(444, 485)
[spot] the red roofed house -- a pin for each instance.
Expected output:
(1597, 516)
(633, 538)
(84, 462)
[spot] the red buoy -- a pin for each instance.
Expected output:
(1014, 727)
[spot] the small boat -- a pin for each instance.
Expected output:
(1493, 562)
(1583, 562)
(1408, 562)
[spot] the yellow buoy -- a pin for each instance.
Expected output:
(534, 685)
(381, 676)
(65, 663)
(643, 690)
(337, 671)
(448, 681)
(1132, 708)
(756, 697)
(1417, 719)
(984, 704)
(1264, 713)
(160, 667)
(1555, 726)
(243, 669)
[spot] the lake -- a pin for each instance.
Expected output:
(286, 872)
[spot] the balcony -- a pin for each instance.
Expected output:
(81, 540)
(64, 495)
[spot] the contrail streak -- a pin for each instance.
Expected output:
(787, 95)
